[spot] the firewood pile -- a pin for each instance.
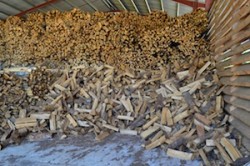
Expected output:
(179, 112)
(131, 39)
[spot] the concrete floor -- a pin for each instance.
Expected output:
(116, 150)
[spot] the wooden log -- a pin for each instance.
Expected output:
(110, 127)
(71, 120)
(170, 121)
(102, 136)
(180, 154)
(232, 151)
(25, 122)
(202, 119)
(190, 85)
(204, 157)
(127, 104)
(164, 116)
(145, 134)
(210, 142)
(156, 143)
(128, 132)
(149, 123)
(22, 113)
(125, 117)
(223, 153)
(164, 128)
(52, 121)
(157, 135)
(203, 69)
(218, 104)
(181, 116)
(183, 74)
(40, 115)
(200, 130)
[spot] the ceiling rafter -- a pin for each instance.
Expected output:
(91, 5)
(132, 1)
(177, 9)
(36, 7)
(29, 3)
(149, 10)
(111, 4)
(162, 5)
(123, 6)
(107, 5)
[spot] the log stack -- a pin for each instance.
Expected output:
(133, 40)
(121, 72)
(181, 113)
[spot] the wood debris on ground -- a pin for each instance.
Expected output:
(179, 112)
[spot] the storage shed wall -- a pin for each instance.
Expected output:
(230, 39)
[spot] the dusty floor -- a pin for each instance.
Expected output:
(116, 150)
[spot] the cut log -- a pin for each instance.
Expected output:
(180, 154)
(25, 122)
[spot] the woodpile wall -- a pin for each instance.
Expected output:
(178, 106)
(133, 40)
(230, 39)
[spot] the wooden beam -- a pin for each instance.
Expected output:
(122, 5)
(149, 10)
(208, 4)
(237, 102)
(132, 1)
(192, 4)
(236, 81)
(240, 92)
(238, 113)
(240, 126)
(162, 5)
(36, 7)
(178, 9)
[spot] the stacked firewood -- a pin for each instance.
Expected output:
(123, 39)
(180, 112)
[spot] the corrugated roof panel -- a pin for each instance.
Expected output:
(75, 3)
(49, 7)
(17, 5)
(32, 4)
(129, 5)
(7, 9)
(142, 7)
(86, 8)
(118, 4)
(62, 6)
(155, 5)
(3, 16)
(185, 9)
(170, 7)
(100, 5)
